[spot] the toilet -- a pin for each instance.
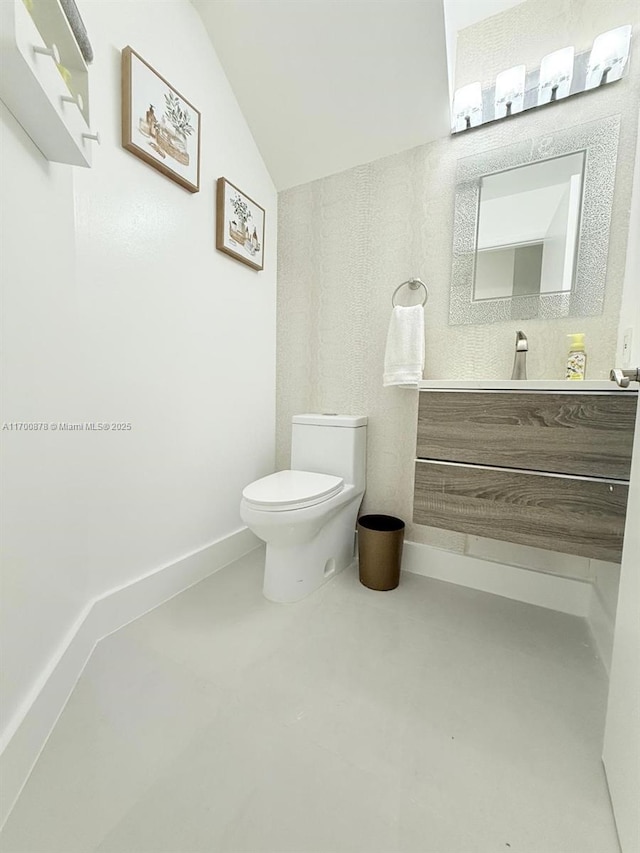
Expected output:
(307, 515)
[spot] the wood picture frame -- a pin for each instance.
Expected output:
(240, 225)
(159, 125)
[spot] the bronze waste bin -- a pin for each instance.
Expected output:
(380, 540)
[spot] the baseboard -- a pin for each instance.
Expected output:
(568, 595)
(27, 733)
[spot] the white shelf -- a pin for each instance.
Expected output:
(32, 87)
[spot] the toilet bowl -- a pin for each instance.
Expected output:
(307, 515)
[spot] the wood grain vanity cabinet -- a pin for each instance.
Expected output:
(532, 467)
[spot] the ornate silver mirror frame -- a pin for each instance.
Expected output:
(599, 139)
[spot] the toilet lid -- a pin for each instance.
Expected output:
(291, 490)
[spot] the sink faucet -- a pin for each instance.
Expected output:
(520, 360)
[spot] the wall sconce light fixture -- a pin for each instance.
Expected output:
(562, 73)
(467, 107)
(608, 57)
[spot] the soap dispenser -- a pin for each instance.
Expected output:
(577, 361)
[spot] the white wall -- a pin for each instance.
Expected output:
(630, 307)
(44, 569)
(119, 308)
(621, 753)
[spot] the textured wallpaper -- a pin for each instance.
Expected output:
(348, 240)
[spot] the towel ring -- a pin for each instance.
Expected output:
(414, 284)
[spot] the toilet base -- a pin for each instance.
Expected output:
(292, 572)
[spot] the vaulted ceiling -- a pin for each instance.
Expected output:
(328, 84)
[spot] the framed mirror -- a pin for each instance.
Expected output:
(531, 227)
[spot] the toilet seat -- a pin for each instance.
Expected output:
(286, 490)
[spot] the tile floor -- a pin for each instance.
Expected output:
(433, 719)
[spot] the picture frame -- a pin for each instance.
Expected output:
(240, 225)
(159, 125)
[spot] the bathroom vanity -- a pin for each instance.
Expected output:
(537, 463)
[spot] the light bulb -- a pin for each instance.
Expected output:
(556, 74)
(467, 107)
(509, 94)
(608, 57)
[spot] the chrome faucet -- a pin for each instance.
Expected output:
(623, 377)
(520, 360)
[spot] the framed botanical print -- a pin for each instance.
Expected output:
(159, 125)
(239, 225)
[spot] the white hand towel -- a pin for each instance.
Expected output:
(404, 356)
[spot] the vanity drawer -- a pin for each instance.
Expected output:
(568, 433)
(574, 515)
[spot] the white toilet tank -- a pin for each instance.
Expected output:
(330, 444)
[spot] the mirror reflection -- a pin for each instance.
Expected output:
(528, 229)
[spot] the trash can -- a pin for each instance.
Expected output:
(380, 540)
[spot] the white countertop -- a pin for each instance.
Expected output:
(563, 385)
